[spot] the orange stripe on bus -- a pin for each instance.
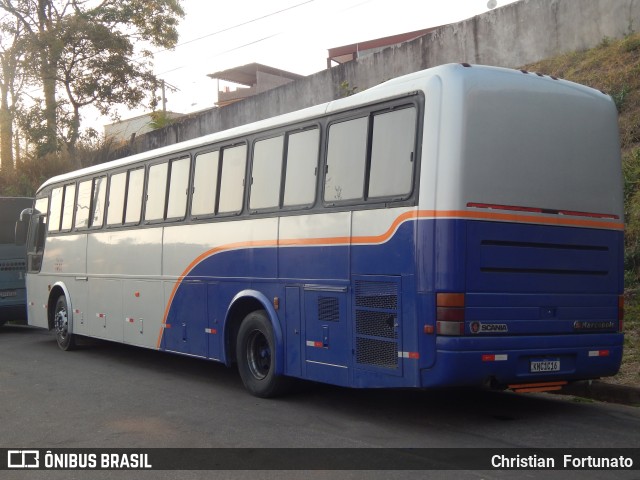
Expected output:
(511, 217)
(378, 239)
(194, 263)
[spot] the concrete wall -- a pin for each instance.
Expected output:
(511, 36)
(121, 131)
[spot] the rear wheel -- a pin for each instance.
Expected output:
(64, 337)
(256, 357)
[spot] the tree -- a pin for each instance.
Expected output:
(86, 50)
(10, 56)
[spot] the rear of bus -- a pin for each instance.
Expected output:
(527, 276)
(12, 261)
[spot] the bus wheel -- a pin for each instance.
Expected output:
(255, 354)
(65, 339)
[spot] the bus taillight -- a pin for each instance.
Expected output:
(450, 313)
(621, 313)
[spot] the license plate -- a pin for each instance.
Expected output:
(538, 366)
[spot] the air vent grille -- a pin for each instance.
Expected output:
(377, 323)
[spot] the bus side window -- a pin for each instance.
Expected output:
(156, 192)
(98, 202)
(346, 158)
(68, 206)
(392, 153)
(56, 210)
(135, 188)
(116, 198)
(83, 204)
(205, 184)
(178, 188)
(266, 173)
(302, 168)
(234, 162)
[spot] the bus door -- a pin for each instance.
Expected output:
(36, 235)
(89, 209)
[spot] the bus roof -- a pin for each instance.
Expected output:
(395, 87)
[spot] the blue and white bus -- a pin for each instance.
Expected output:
(13, 297)
(461, 225)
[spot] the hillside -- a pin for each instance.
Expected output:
(614, 67)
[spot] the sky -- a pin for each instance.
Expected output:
(292, 35)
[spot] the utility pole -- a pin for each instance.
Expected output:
(164, 97)
(164, 85)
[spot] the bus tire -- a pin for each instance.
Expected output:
(256, 357)
(66, 340)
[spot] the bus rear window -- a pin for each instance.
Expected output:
(538, 149)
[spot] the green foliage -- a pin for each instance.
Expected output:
(631, 176)
(346, 90)
(619, 97)
(160, 119)
(86, 53)
(631, 43)
(29, 175)
(605, 42)
(630, 370)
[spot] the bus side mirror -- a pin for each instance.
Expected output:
(21, 232)
(22, 227)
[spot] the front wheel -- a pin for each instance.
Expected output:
(256, 357)
(64, 337)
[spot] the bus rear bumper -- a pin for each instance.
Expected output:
(501, 361)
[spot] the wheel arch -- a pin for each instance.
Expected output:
(241, 305)
(58, 289)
